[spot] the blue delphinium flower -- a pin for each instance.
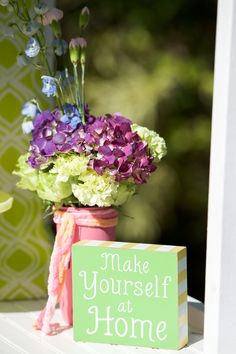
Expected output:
(27, 127)
(65, 119)
(70, 109)
(32, 48)
(60, 46)
(30, 28)
(41, 8)
(30, 109)
(49, 86)
(72, 115)
(75, 121)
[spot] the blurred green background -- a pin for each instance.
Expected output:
(153, 61)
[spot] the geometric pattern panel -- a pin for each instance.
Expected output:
(25, 245)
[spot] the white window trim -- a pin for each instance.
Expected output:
(220, 295)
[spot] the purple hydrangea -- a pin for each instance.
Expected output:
(118, 150)
(107, 140)
(49, 136)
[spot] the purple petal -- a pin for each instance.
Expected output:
(40, 143)
(65, 147)
(125, 128)
(96, 165)
(59, 138)
(104, 150)
(128, 150)
(118, 153)
(79, 149)
(50, 148)
(131, 137)
(63, 127)
(90, 119)
(120, 119)
(57, 114)
(89, 139)
(111, 159)
(42, 118)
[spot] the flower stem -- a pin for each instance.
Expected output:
(43, 48)
(77, 97)
(82, 91)
(46, 61)
(17, 10)
(60, 88)
(59, 102)
(69, 85)
(68, 80)
(24, 6)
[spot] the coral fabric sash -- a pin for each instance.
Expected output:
(59, 265)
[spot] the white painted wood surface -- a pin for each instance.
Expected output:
(220, 304)
(18, 336)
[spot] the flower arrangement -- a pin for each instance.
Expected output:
(74, 157)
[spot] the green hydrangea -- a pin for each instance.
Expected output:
(102, 191)
(45, 184)
(68, 165)
(155, 142)
(28, 175)
(70, 174)
(50, 188)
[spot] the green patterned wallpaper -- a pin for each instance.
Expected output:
(24, 245)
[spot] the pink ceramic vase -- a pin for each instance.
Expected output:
(90, 224)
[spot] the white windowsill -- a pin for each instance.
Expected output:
(18, 336)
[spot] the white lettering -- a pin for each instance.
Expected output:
(141, 324)
(92, 287)
(132, 327)
(161, 327)
(124, 324)
(166, 282)
(94, 310)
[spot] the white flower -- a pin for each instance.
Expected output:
(30, 109)
(49, 85)
(32, 48)
(27, 127)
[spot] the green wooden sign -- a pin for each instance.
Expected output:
(130, 294)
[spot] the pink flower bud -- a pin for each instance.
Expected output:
(51, 15)
(76, 45)
(78, 42)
